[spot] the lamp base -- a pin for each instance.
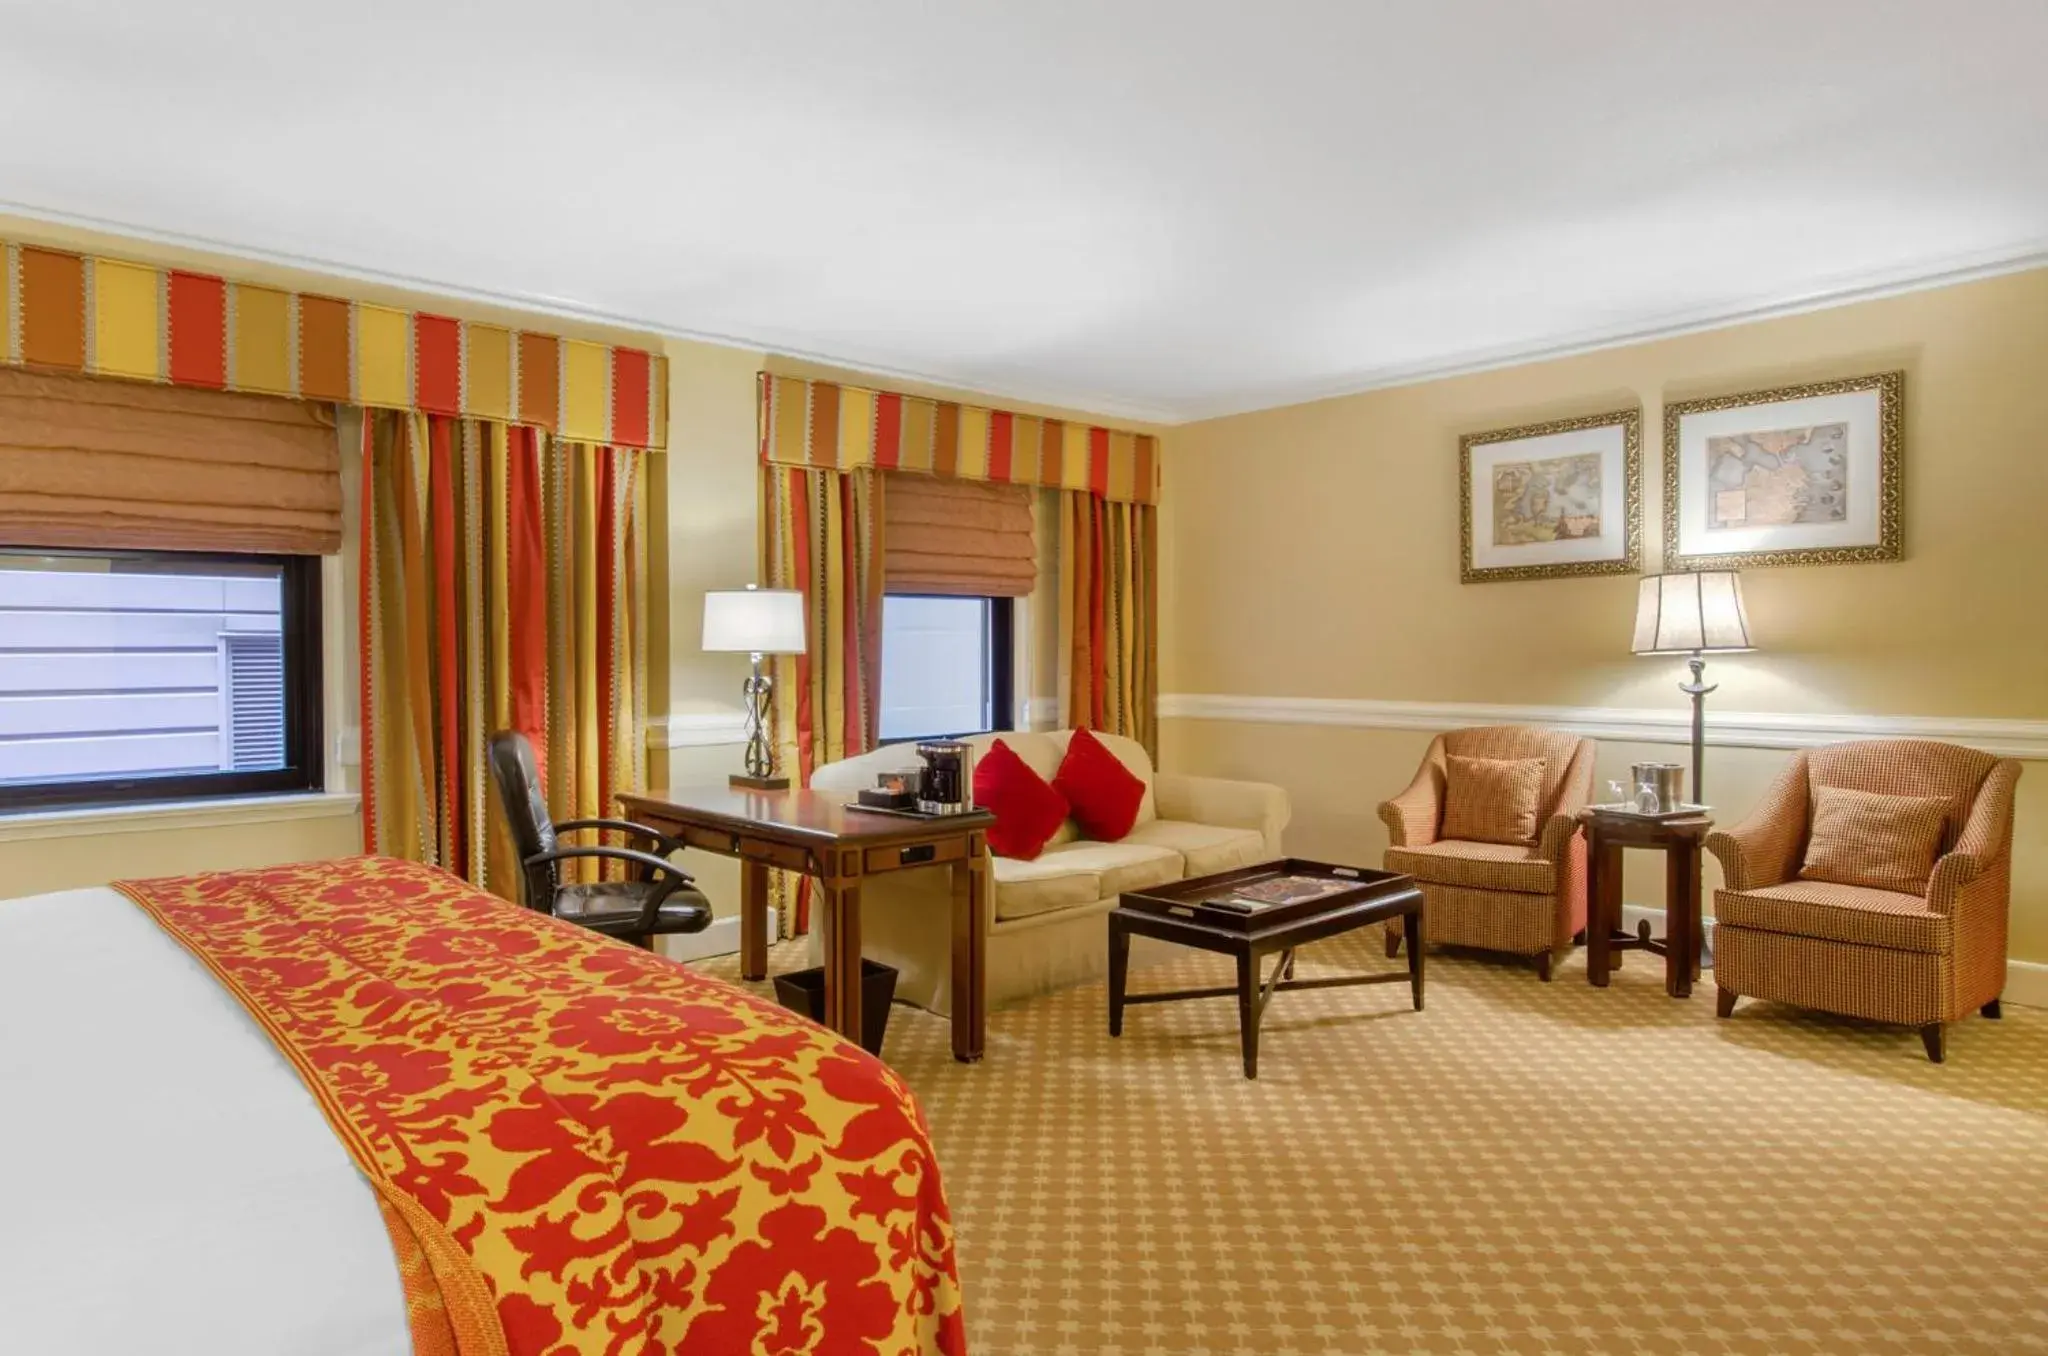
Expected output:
(746, 783)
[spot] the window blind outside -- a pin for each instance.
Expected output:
(97, 463)
(963, 537)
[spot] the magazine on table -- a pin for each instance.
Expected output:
(1264, 894)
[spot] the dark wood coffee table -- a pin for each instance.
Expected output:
(1189, 912)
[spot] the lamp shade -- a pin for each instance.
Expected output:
(754, 621)
(1690, 613)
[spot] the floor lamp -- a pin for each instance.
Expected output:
(1693, 614)
(756, 622)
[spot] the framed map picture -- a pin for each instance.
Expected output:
(1549, 500)
(1803, 475)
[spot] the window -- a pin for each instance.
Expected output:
(136, 676)
(945, 666)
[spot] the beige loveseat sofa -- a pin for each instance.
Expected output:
(1046, 928)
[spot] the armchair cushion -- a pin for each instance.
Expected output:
(1492, 800)
(1476, 866)
(1837, 913)
(1866, 838)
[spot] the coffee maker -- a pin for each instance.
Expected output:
(945, 782)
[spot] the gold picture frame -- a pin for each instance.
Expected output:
(1613, 547)
(1864, 497)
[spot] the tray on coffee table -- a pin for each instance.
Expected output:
(1254, 898)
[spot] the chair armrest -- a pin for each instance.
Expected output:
(624, 826)
(1764, 849)
(1411, 817)
(1225, 804)
(668, 876)
(1984, 843)
(1555, 839)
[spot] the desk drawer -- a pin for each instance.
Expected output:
(915, 854)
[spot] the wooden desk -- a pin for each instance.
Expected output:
(817, 834)
(1679, 840)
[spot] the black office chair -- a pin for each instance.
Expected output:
(665, 900)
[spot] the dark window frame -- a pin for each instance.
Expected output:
(999, 654)
(304, 716)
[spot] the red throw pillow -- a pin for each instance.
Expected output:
(1028, 811)
(1101, 792)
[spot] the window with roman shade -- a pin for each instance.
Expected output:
(98, 464)
(968, 538)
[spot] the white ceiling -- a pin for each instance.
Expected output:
(1152, 208)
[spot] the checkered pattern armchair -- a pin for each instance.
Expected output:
(1920, 960)
(1525, 899)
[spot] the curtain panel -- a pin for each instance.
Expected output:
(1109, 617)
(66, 312)
(821, 533)
(111, 465)
(503, 587)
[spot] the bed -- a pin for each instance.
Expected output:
(360, 1108)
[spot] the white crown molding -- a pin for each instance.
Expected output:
(1873, 285)
(697, 729)
(562, 308)
(1734, 729)
(161, 816)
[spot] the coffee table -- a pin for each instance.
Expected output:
(1194, 913)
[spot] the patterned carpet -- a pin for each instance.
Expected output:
(1521, 1168)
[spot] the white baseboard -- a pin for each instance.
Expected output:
(2026, 983)
(1649, 725)
(722, 938)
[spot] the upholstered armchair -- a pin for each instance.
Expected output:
(1526, 898)
(1921, 957)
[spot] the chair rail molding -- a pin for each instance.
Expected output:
(2026, 739)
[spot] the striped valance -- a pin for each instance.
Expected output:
(822, 423)
(68, 312)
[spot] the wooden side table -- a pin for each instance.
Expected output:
(1679, 840)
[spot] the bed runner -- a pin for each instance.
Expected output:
(580, 1147)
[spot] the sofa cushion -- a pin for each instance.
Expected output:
(1836, 913)
(1492, 800)
(1206, 848)
(1879, 841)
(1080, 873)
(1476, 866)
(1121, 866)
(1028, 811)
(1047, 885)
(1103, 794)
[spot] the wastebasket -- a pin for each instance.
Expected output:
(804, 991)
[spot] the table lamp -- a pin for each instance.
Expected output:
(755, 622)
(1692, 614)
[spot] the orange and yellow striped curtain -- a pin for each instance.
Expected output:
(821, 533)
(503, 587)
(1109, 617)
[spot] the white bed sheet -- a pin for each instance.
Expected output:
(167, 1184)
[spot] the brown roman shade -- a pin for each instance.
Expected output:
(97, 463)
(968, 537)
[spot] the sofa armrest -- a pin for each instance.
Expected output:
(1225, 804)
(1764, 849)
(1411, 817)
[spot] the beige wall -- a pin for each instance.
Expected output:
(1312, 551)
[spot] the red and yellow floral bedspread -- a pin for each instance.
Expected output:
(581, 1147)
